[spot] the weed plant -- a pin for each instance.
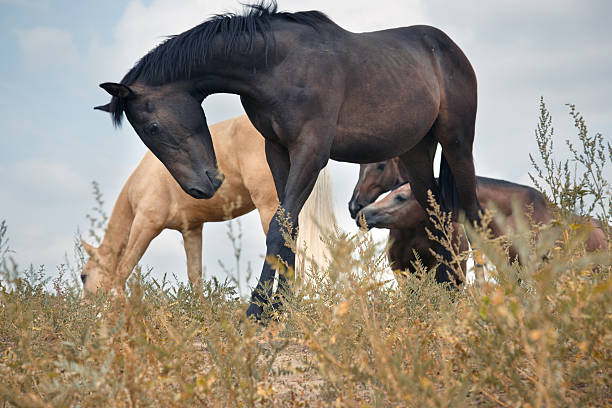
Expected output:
(537, 334)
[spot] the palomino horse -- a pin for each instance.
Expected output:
(151, 200)
(314, 91)
(403, 215)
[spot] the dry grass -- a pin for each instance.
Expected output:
(533, 335)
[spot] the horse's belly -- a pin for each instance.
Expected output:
(359, 146)
(375, 130)
(367, 149)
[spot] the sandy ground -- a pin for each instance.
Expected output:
(295, 383)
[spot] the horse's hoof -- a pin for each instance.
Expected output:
(254, 311)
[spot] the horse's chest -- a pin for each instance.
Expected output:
(401, 251)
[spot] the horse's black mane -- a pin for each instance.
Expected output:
(176, 58)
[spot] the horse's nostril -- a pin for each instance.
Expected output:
(354, 209)
(215, 179)
(196, 193)
(83, 277)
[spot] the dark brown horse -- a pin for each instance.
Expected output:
(314, 91)
(404, 216)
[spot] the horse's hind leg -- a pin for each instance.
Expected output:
(419, 167)
(458, 153)
(192, 241)
(454, 130)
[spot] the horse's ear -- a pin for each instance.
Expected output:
(118, 90)
(104, 108)
(90, 249)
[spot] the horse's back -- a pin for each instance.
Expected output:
(452, 69)
(422, 45)
(503, 193)
(395, 83)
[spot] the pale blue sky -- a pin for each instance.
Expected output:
(55, 53)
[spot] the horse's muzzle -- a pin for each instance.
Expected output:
(354, 208)
(373, 219)
(215, 178)
(207, 187)
(197, 193)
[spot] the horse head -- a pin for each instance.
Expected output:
(94, 270)
(170, 121)
(399, 209)
(374, 180)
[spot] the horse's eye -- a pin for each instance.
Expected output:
(152, 129)
(380, 166)
(400, 198)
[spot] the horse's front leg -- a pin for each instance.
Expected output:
(144, 229)
(304, 162)
(192, 241)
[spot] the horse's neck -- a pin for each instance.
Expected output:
(240, 73)
(118, 229)
(414, 232)
(227, 75)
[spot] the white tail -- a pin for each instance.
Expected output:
(316, 220)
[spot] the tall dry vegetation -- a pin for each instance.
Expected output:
(534, 335)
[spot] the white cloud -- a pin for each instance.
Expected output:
(142, 27)
(45, 47)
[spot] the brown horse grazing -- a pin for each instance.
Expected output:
(402, 215)
(151, 201)
(400, 212)
(314, 91)
(404, 242)
(375, 179)
(406, 220)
